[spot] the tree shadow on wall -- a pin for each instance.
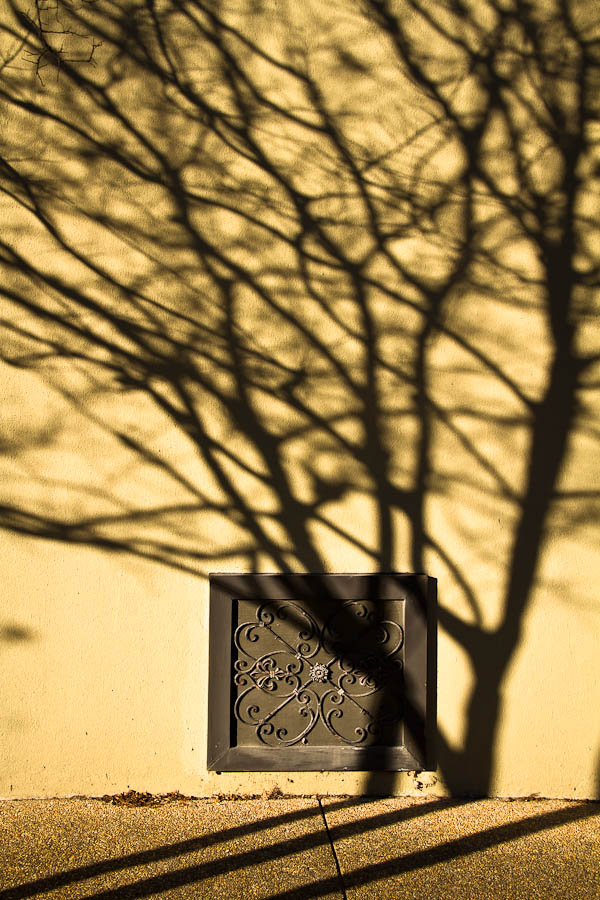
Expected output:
(316, 285)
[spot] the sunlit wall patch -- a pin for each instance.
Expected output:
(321, 672)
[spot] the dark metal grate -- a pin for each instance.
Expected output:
(318, 672)
(298, 681)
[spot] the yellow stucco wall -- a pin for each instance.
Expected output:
(200, 374)
(107, 690)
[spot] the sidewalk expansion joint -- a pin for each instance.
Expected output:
(335, 856)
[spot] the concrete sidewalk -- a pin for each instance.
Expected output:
(300, 848)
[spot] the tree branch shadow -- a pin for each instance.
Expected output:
(326, 297)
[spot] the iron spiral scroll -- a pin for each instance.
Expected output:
(296, 676)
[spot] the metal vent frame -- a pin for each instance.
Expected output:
(416, 594)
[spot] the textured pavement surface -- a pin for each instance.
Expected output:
(295, 849)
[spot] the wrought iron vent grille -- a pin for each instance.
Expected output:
(329, 684)
(318, 672)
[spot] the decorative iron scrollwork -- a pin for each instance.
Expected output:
(295, 676)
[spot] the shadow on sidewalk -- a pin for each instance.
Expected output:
(193, 874)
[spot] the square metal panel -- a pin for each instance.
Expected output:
(320, 672)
